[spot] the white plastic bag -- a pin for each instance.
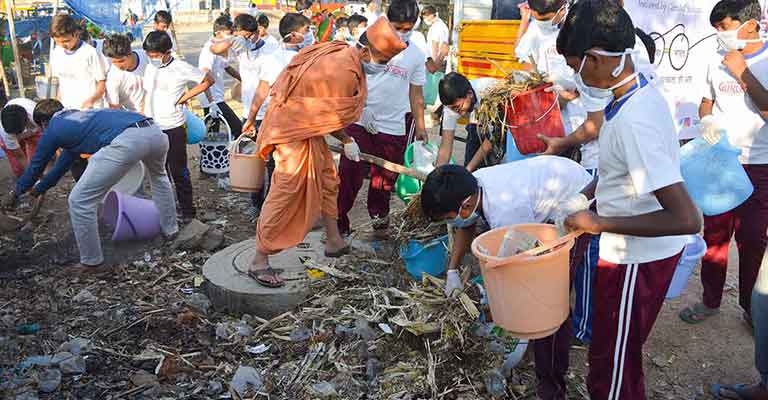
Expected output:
(424, 157)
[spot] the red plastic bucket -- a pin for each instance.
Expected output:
(532, 113)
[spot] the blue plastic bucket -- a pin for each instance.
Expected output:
(512, 153)
(429, 258)
(713, 175)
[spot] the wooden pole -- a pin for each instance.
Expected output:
(14, 45)
(388, 165)
(50, 54)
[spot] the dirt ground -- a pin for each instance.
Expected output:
(681, 360)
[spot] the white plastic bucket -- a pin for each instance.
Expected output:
(693, 252)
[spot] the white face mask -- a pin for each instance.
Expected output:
(372, 68)
(549, 26)
(604, 93)
(460, 222)
(405, 36)
(729, 40)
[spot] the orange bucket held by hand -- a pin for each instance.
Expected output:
(246, 169)
(532, 113)
(528, 294)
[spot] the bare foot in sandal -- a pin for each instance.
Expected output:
(263, 274)
(698, 313)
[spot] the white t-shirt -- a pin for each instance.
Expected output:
(436, 35)
(78, 73)
(99, 46)
(639, 154)
(249, 58)
(216, 65)
(530, 190)
(417, 39)
(164, 87)
(126, 88)
(371, 16)
(479, 85)
(270, 44)
(747, 130)
(388, 91)
(29, 106)
(270, 68)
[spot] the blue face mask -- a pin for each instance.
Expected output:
(460, 222)
(309, 40)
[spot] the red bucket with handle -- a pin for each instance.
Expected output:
(532, 113)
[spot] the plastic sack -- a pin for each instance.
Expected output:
(430, 88)
(694, 250)
(196, 130)
(714, 176)
(424, 157)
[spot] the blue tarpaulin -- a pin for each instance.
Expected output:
(103, 13)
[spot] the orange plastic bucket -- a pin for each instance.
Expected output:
(532, 113)
(528, 295)
(246, 171)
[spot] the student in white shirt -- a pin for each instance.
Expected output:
(97, 44)
(19, 133)
(643, 208)
(217, 65)
(163, 22)
(270, 43)
(125, 88)
(372, 11)
(437, 39)
(81, 72)
(165, 81)
(736, 95)
(394, 108)
(293, 27)
(246, 45)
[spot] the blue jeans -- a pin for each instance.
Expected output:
(760, 320)
(581, 316)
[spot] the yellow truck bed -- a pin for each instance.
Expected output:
(487, 48)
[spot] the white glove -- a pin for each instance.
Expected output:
(710, 129)
(452, 282)
(368, 121)
(214, 111)
(573, 204)
(352, 150)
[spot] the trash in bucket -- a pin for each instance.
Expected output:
(528, 296)
(694, 250)
(133, 218)
(429, 258)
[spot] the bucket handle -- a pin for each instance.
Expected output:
(128, 220)
(537, 119)
(221, 119)
(236, 149)
(537, 251)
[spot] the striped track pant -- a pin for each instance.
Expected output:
(628, 299)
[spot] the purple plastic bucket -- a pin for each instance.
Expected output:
(133, 218)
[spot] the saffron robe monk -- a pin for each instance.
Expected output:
(320, 92)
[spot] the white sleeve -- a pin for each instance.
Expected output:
(442, 35)
(98, 69)
(708, 90)
(10, 142)
(419, 76)
(113, 88)
(650, 162)
(270, 69)
(524, 48)
(189, 73)
(206, 59)
(450, 119)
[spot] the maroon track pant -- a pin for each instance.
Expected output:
(352, 174)
(627, 301)
(749, 222)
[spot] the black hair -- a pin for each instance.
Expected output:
(377, 2)
(302, 5)
(157, 42)
(546, 6)
(596, 23)
(341, 22)
(445, 189)
(292, 22)
(45, 109)
(163, 16)
(739, 10)
(14, 119)
(85, 36)
(117, 45)
(246, 22)
(355, 21)
(648, 42)
(403, 11)
(63, 25)
(428, 10)
(263, 21)
(222, 23)
(453, 87)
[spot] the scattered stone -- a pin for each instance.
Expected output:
(84, 297)
(244, 378)
(27, 396)
(191, 236)
(364, 330)
(212, 240)
(76, 346)
(214, 388)
(300, 335)
(243, 329)
(324, 390)
(49, 380)
(74, 365)
(199, 302)
(142, 378)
